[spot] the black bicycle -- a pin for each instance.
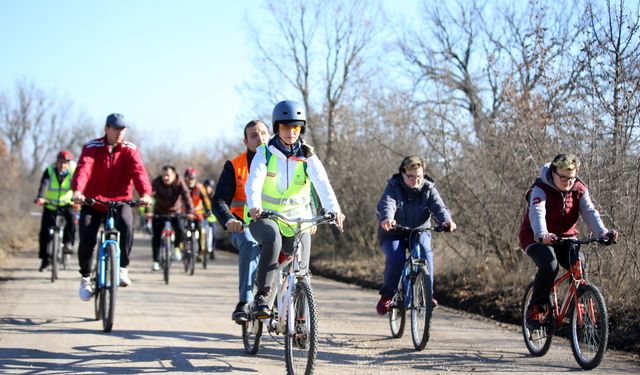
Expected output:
(191, 246)
(54, 245)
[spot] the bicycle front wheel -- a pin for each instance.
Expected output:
(251, 334)
(193, 250)
(538, 340)
(301, 345)
(421, 309)
(166, 258)
(109, 291)
(589, 327)
(397, 313)
(53, 256)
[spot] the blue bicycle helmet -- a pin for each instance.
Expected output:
(289, 112)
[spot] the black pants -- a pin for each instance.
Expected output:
(49, 220)
(548, 258)
(177, 223)
(90, 221)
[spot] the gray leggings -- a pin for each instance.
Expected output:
(267, 233)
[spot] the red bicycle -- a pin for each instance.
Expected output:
(584, 304)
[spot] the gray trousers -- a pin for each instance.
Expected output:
(267, 233)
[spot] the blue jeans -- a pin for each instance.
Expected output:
(395, 254)
(248, 256)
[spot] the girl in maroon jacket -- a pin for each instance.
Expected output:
(556, 200)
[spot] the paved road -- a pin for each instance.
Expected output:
(185, 327)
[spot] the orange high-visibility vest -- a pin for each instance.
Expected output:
(241, 169)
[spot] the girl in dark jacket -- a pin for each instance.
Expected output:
(410, 199)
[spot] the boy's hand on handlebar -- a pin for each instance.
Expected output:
(146, 200)
(39, 201)
(449, 226)
(78, 197)
(387, 224)
(340, 219)
(234, 226)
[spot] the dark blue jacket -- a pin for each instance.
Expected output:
(411, 207)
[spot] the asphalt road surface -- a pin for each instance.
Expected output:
(186, 327)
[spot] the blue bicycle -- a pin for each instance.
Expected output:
(415, 291)
(107, 271)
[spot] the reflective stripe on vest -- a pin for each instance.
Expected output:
(293, 202)
(58, 194)
(241, 170)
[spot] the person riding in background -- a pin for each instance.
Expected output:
(228, 206)
(555, 202)
(211, 219)
(171, 198)
(280, 179)
(107, 170)
(55, 192)
(201, 204)
(410, 199)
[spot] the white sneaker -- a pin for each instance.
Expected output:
(155, 266)
(86, 288)
(125, 281)
(177, 254)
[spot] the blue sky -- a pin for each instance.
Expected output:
(171, 67)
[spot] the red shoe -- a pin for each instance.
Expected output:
(383, 305)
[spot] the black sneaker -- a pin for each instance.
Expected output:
(43, 264)
(261, 308)
(240, 315)
(67, 248)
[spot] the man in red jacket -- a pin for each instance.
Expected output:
(106, 170)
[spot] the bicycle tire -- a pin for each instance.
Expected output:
(192, 256)
(53, 256)
(166, 262)
(589, 341)
(251, 334)
(109, 291)
(397, 313)
(421, 308)
(538, 341)
(301, 346)
(205, 252)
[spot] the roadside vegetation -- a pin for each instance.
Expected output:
(486, 92)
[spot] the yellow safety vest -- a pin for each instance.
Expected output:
(295, 201)
(58, 194)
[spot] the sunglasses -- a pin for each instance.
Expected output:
(296, 128)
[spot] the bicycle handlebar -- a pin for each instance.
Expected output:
(586, 241)
(324, 217)
(401, 229)
(113, 204)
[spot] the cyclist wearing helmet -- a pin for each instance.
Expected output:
(228, 205)
(280, 180)
(171, 198)
(55, 191)
(555, 202)
(201, 204)
(108, 168)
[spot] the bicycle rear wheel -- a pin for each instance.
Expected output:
(537, 341)
(421, 309)
(589, 337)
(397, 313)
(301, 345)
(251, 335)
(109, 291)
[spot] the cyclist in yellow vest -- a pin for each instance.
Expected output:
(280, 180)
(55, 191)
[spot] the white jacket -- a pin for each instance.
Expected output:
(315, 171)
